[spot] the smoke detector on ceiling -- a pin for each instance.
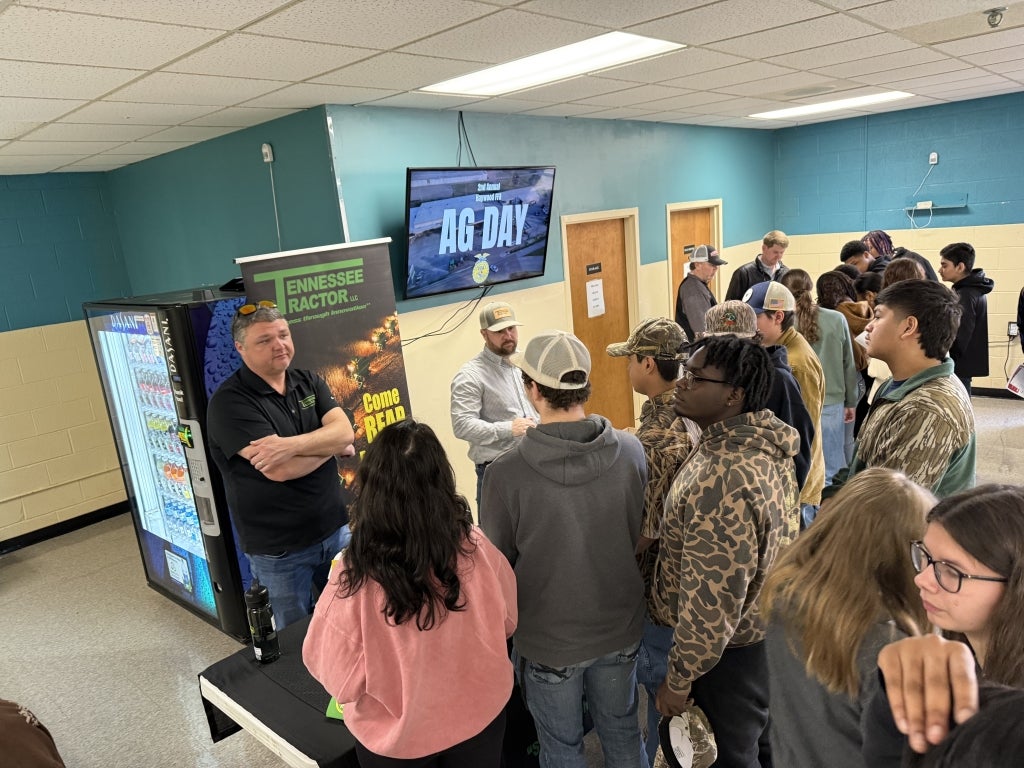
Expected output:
(995, 16)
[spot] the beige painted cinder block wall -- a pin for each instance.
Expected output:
(1000, 252)
(57, 454)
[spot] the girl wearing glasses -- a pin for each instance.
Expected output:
(834, 598)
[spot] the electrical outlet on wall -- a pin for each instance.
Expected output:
(1012, 330)
(933, 158)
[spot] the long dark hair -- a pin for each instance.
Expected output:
(409, 526)
(988, 522)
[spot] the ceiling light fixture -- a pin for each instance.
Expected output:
(602, 52)
(831, 106)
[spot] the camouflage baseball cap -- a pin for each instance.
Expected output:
(734, 316)
(656, 337)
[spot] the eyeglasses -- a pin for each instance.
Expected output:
(948, 576)
(687, 377)
(248, 309)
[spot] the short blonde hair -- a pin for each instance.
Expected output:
(776, 237)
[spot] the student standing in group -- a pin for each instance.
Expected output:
(694, 297)
(767, 265)
(833, 600)
(724, 516)
(970, 348)
(410, 634)
(565, 507)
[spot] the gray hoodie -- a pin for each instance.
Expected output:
(565, 507)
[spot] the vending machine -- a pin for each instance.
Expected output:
(160, 358)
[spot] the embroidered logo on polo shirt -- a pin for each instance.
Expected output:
(308, 402)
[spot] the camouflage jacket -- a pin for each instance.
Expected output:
(924, 428)
(667, 440)
(726, 514)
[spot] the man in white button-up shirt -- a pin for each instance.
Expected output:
(490, 410)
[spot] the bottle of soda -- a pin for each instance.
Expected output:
(261, 623)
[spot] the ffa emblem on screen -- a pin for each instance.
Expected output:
(481, 269)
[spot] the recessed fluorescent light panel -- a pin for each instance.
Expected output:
(831, 106)
(591, 55)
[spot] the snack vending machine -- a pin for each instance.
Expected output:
(160, 358)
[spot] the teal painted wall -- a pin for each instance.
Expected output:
(185, 216)
(858, 174)
(600, 164)
(59, 247)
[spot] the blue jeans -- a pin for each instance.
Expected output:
(288, 577)
(651, 671)
(833, 439)
(554, 696)
(807, 514)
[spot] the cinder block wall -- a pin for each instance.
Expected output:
(57, 454)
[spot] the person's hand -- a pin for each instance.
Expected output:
(924, 678)
(849, 415)
(520, 425)
(668, 702)
(271, 451)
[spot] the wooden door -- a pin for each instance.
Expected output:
(688, 228)
(596, 255)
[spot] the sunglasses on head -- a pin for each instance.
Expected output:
(248, 309)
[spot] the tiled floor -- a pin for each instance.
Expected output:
(110, 666)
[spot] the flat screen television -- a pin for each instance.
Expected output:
(471, 227)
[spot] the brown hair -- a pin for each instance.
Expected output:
(855, 555)
(988, 522)
(776, 237)
(800, 285)
(903, 268)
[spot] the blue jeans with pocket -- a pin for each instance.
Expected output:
(289, 576)
(651, 671)
(555, 695)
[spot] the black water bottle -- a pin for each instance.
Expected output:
(261, 623)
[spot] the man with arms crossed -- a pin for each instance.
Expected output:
(489, 408)
(274, 434)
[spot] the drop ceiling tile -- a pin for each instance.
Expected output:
(223, 14)
(678, 64)
(910, 74)
(189, 133)
(632, 96)
(137, 113)
(689, 100)
(98, 163)
(303, 95)
(500, 105)
(998, 56)
(720, 21)
(91, 132)
(611, 15)
(37, 34)
(15, 109)
(149, 149)
(562, 110)
(504, 36)
(840, 52)
(619, 113)
(781, 86)
(938, 88)
(1007, 68)
(399, 71)
(870, 64)
(269, 58)
(977, 93)
(83, 148)
(667, 117)
(898, 14)
(989, 41)
(746, 106)
(575, 89)
(60, 81)
(812, 33)
(240, 117)
(417, 100)
(15, 165)
(740, 73)
(12, 129)
(387, 23)
(176, 88)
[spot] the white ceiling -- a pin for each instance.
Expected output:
(92, 85)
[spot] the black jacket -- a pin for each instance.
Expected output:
(786, 402)
(1020, 319)
(750, 275)
(970, 349)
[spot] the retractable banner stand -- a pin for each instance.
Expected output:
(340, 304)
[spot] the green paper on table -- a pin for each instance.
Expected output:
(336, 710)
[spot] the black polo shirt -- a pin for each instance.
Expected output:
(274, 517)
